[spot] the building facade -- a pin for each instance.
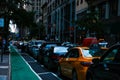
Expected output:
(44, 11)
(36, 7)
(59, 19)
(109, 14)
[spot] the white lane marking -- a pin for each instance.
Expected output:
(44, 73)
(31, 61)
(29, 65)
(48, 73)
(42, 65)
(3, 77)
(9, 66)
(4, 67)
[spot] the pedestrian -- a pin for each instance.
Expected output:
(0, 42)
(3, 45)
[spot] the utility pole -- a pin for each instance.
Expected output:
(70, 18)
(75, 24)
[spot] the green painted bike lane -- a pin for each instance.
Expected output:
(20, 70)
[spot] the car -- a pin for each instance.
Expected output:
(76, 62)
(107, 67)
(102, 42)
(65, 43)
(44, 48)
(35, 47)
(89, 41)
(53, 55)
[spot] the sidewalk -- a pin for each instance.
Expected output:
(5, 66)
(18, 69)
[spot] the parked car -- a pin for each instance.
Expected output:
(53, 55)
(44, 48)
(107, 67)
(76, 62)
(89, 41)
(102, 43)
(33, 47)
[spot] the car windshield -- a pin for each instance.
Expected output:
(60, 50)
(50, 45)
(38, 43)
(92, 53)
(86, 53)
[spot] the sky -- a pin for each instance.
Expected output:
(13, 27)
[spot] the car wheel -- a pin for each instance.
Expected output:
(74, 75)
(89, 77)
(59, 71)
(49, 64)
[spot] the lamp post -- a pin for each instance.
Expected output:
(71, 5)
(75, 24)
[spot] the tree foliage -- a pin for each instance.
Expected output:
(91, 22)
(18, 14)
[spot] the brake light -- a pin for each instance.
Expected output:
(86, 64)
(55, 57)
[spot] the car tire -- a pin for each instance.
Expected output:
(74, 75)
(59, 71)
(89, 76)
(49, 64)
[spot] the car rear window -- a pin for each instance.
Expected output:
(60, 50)
(86, 53)
(50, 45)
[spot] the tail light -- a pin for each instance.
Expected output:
(55, 57)
(86, 64)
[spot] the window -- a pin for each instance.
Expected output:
(86, 53)
(102, 10)
(62, 1)
(77, 2)
(81, 2)
(74, 53)
(112, 55)
(113, 8)
(60, 49)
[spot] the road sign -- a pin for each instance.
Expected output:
(1, 22)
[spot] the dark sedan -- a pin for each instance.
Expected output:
(44, 48)
(53, 55)
(107, 67)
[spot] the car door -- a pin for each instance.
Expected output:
(109, 66)
(68, 62)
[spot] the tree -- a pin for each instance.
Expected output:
(91, 22)
(20, 16)
(41, 30)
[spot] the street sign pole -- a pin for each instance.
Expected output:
(1, 60)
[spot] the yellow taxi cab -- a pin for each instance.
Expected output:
(76, 62)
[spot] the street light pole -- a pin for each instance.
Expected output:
(70, 17)
(75, 24)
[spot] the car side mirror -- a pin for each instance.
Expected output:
(96, 61)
